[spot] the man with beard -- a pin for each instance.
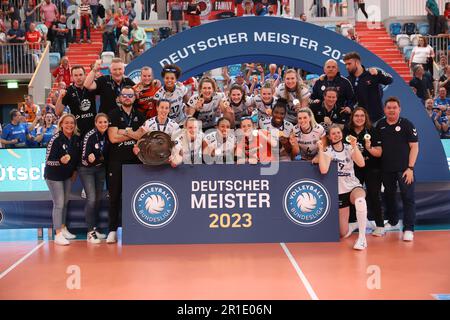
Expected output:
(122, 132)
(80, 100)
(367, 85)
(145, 91)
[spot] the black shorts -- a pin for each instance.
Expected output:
(344, 200)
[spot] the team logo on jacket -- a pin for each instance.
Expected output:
(306, 202)
(154, 204)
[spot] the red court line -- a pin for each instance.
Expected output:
(408, 270)
(10, 252)
(244, 271)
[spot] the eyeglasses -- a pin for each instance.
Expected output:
(170, 70)
(127, 95)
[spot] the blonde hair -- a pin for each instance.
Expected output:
(207, 80)
(61, 120)
(298, 87)
(312, 119)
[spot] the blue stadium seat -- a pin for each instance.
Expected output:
(310, 77)
(395, 29)
(409, 28)
(407, 52)
(54, 58)
(423, 28)
(164, 33)
(331, 27)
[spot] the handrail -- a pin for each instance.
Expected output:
(41, 78)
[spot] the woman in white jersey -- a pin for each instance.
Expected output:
(349, 187)
(191, 141)
(307, 132)
(219, 145)
(240, 105)
(174, 92)
(278, 126)
(291, 89)
(162, 122)
(207, 104)
(264, 102)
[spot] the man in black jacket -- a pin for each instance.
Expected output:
(333, 78)
(367, 85)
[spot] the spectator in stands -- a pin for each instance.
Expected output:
(15, 134)
(176, 16)
(129, 12)
(359, 4)
(193, 14)
(447, 10)
(30, 13)
(367, 85)
(108, 87)
(47, 130)
(62, 72)
(443, 62)
(337, 5)
(272, 75)
(432, 9)
(421, 85)
(94, 4)
(124, 44)
(14, 13)
(351, 34)
(60, 32)
(85, 20)
(146, 9)
(445, 127)
(33, 38)
(108, 26)
(444, 80)
(49, 12)
(62, 160)
(29, 109)
(287, 12)
(422, 54)
(434, 114)
(248, 9)
(138, 38)
(16, 36)
(333, 78)
(121, 21)
(441, 101)
(303, 17)
(262, 8)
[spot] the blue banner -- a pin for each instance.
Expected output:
(229, 204)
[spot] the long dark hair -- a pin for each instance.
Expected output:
(367, 123)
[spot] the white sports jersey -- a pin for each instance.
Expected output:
(286, 129)
(176, 101)
(291, 115)
(221, 148)
(347, 180)
(308, 141)
(170, 127)
(262, 107)
(192, 150)
(210, 111)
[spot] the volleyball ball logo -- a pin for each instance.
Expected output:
(154, 204)
(306, 202)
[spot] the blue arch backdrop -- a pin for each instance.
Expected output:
(293, 43)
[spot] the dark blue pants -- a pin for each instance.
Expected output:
(93, 180)
(390, 181)
(109, 40)
(94, 10)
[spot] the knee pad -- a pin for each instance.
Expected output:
(360, 204)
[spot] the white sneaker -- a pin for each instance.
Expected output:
(83, 194)
(408, 236)
(92, 238)
(389, 227)
(379, 232)
(101, 236)
(112, 237)
(360, 244)
(351, 228)
(61, 240)
(66, 234)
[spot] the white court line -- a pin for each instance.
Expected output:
(4, 273)
(301, 275)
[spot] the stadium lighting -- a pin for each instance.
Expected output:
(13, 85)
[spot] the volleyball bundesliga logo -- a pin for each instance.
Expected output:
(306, 202)
(135, 75)
(154, 204)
